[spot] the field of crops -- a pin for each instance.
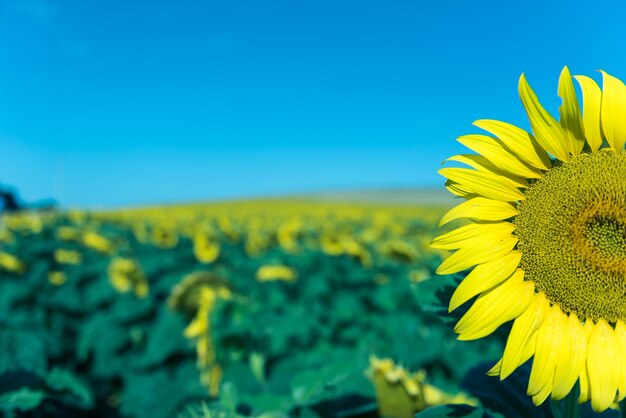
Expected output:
(258, 308)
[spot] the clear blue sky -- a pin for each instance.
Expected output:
(116, 102)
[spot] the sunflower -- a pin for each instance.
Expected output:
(545, 236)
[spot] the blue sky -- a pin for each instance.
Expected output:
(109, 102)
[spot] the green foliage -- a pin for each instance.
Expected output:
(456, 411)
(21, 400)
(287, 349)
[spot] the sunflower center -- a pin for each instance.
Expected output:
(572, 235)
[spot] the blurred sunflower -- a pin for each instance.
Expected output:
(400, 394)
(126, 275)
(547, 240)
(276, 272)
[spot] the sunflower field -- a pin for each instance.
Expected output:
(270, 308)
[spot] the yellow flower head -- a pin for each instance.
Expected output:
(401, 394)
(335, 245)
(288, 234)
(400, 250)
(546, 239)
(197, 295)
(57, 278)
(30, 222)
(11, 263)
(97, 242)
(67, 233)
(331, 244)
(186, 296)
(205, 248)
(63, 256)
(165, 236)
(269, 273)
(127, 275)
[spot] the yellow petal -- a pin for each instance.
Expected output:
(613, 111)
(592, 99)
(494, 150)
(542, 395)
(480, 163)
(528, 350)
(572, 358)
(495, 307)
(195, 328)
(480, 208)
(603, 366)
(550, 339)
(520, 142)
(547, 130)
(583, 380)
(523, 334)
(466, 234)
(495, 370)
(620, 333)
(571, 119)
(458, 190)
(484, 277)
(483, 183)
(480, 253)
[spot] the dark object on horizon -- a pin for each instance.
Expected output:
(10, 202)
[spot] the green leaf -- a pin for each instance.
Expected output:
(64, 381)
(257, 365)
(165, 339)
(21, 400)
(159, 394)
(24, 350)
(229, 398)
(101, 339)
(267, 403)
(306, 387)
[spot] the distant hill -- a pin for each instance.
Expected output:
(408, 196)
(439, 198)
